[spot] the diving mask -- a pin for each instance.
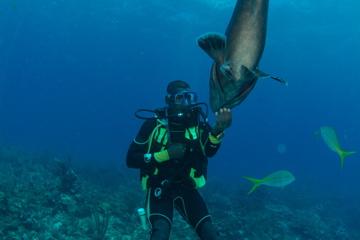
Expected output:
(184, 98)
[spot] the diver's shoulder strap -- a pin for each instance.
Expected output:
(157, 133)
(145, 131)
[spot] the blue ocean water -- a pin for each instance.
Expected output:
(72, 73)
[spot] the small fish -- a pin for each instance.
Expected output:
(277, 179)
(329, 136)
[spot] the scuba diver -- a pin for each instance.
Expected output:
(171, 150)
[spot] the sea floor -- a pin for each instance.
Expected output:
(46, 198)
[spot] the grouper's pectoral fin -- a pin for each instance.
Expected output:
(236, 90)
(262, 74)
(229, 92)
(214, 45)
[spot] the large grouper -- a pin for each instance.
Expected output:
(236, 55)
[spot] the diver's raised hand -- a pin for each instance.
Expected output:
(223, 120)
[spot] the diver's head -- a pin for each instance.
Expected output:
(179, 95)
(181, 101)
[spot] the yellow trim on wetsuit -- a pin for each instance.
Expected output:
(199, 181)
(191, 133)
(160, 135)
(162, 156)
(214, 140)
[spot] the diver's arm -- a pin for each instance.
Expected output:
(136, 155)
(216, 133)
(212, 144)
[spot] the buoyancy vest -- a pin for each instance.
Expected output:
(158, 140)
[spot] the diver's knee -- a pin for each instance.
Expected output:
(206, 230)
(160, 229)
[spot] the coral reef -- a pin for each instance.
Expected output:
(45, 197)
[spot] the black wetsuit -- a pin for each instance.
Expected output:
(179, 190)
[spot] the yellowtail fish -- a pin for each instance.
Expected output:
(277, 179)
(329, 136)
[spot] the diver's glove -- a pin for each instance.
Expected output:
(223, 121)
(174, 151)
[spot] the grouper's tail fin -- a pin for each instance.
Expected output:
(214, 45)
(256, 182)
